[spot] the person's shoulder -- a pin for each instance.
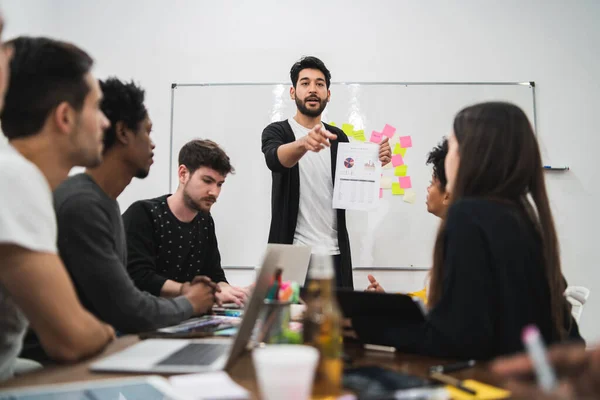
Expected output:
(19, 170)
(77, 190)
(481, 211)
(145, 206)
(278, 126)
(333, 129)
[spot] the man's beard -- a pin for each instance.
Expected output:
(196, 205)
(301, 104)
(142, 173)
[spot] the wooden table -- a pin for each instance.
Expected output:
(243, 371)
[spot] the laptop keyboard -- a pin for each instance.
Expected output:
(196, 354)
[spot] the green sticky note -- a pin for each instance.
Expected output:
(332, 123)
(396, 189)
(400, 170)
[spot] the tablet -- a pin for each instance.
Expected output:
(374, 304)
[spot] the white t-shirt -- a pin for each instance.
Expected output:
(317, 219)
(27, 220)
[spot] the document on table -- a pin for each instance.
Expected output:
(357, 176)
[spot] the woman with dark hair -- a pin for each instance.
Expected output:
(496, 265)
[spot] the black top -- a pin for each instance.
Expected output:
(91, 242)
(285, 193)
(161, 247)
(494, 284)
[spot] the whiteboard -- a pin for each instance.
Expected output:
(395, 235)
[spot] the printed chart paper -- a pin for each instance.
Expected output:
(357, 176)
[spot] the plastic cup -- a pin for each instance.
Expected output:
(285, 371)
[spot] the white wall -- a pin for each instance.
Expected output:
(552, 42)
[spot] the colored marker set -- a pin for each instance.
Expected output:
(284, 291)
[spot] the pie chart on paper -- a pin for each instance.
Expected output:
(349, 162)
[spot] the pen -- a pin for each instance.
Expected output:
(449, 380)
(532, 339)
(377, 347)
(452, 367)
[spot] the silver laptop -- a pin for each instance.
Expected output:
(293, 261)
(200, 355)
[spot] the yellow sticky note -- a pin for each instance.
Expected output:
(484, 392)
(410, 196)
(386, 182)
(332, 123)
(399, 150)
(360, 137)
(396, 189)
(387, 166)
(400, 170)
(360, 133)
(347, 129)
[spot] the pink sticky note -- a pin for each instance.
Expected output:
(397, 160)
(405, 141)
(405, 182)
(380, 193)
(376, 137)
(388, 131)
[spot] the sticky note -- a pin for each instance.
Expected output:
(360, 136)
(386, 182)
(405, 141)
(380, 193)
(388, 131)
(376, 137)
(347, 129)
(400, 171)
(484, 391)
(332, 123)
(396, 189)
(399, 150)
(405, 182)
(397, 160)
(409, 196)
(387, 166)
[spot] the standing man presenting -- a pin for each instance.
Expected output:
(302, 191)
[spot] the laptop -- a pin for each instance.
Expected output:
(374, 304)
(166, 356)
(294, 262)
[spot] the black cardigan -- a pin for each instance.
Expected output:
(285, 193)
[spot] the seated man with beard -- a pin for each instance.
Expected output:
(171, 239)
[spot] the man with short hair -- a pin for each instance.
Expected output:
(91, 236)
(302, 194)
(53, 122)
(171, 239)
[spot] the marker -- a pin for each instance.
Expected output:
(532, 339)
(377, 347)
(444, 369)
(449, 380)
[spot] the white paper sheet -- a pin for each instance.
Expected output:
(357, 176)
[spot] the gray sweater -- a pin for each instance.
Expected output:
(92, 244)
